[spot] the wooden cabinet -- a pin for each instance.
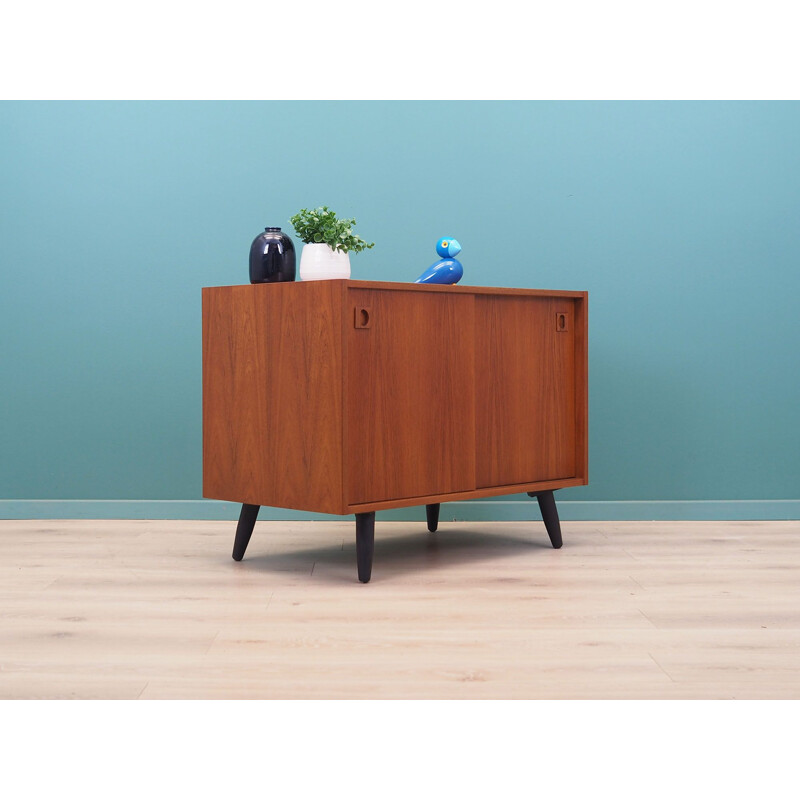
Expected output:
(351, 396)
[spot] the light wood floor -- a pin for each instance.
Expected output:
(157, 609)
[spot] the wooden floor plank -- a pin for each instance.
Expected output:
(157, 609)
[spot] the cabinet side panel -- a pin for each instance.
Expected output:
(582, 388)
(272, 410)
(525, 398)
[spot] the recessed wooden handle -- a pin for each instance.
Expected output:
(562, 321)
(363, 316)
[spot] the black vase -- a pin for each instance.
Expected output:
(272, 257)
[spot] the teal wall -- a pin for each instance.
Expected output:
(681, 219)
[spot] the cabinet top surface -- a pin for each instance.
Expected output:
(418, 287)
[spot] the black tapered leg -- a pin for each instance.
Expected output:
(432, 511)
(244, 530)
(365, 544)
(547, 505)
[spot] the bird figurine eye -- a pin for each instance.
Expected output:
(445, 243)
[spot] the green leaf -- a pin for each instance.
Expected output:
(322, 226)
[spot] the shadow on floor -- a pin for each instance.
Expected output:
(400, 554)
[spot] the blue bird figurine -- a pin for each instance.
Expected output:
(447, 269)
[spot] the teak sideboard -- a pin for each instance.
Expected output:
(348, 397)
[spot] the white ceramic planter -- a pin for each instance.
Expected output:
(319, 263)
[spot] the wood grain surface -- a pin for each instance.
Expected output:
(157, 609)
(581, 327)
(476, 494)
(350, 396)
(410, 396)
(398, 286)
(272, 397)
(525, 390)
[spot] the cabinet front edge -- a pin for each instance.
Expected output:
(473, 494)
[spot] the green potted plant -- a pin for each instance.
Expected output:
(328, 242)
